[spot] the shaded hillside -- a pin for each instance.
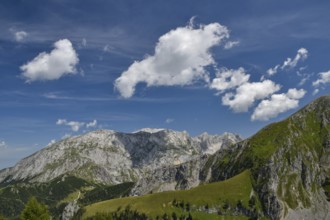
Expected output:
(56, 194)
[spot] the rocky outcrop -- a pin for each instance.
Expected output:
(169, 178)
(70, 210)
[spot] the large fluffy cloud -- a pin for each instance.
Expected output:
(180, 58)
(60, 61)
(302, 54)
(229, 78)
(248, 93)
(324, 78)
(277, 104)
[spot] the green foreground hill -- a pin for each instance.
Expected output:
(209, 201)
(289, 162)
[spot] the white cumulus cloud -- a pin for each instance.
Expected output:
(324, 78)
(278, 103)
(229, 78)
(180, 58)
(289, 63)
(247, 93)
(60, 61)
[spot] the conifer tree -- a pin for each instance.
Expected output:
(34, 210)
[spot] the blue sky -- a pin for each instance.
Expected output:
(68, 67)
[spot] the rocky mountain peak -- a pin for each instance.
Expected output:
(113, 157)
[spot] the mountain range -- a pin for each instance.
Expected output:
(287, 165)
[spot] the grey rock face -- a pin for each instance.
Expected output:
(70, 210)
(111, 157)
(167, 178)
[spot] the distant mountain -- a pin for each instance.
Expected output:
(111, 157)
(289, 163)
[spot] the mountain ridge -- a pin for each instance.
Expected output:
(137, 153)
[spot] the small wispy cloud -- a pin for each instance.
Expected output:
(91, 124)
(59, 96)
(169, 120)
(231, 44)
(324, 78)
(290, 63)
(107, 48)
(315, 91)
(3, 144)
(20, 36)
(75, 125)
(84, 42)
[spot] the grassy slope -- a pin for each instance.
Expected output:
(214, 194)
(301, 138)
